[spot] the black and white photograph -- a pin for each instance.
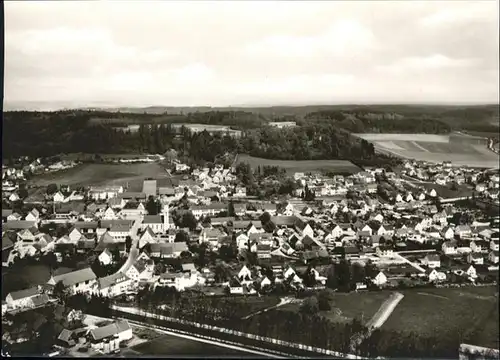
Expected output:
(250, 179)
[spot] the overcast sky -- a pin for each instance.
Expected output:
(220, 53)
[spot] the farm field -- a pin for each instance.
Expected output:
(346, 307)
(103, 174)
(292, 166)
(173, 346)
(433, 148)
(472, 311)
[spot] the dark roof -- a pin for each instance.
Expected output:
(132, 195)
(26, 293)
(18, 225)
(7, 241)
(109, 330)
(86, 224)
(6, 212)
(152, 219)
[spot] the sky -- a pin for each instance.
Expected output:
(202, 53)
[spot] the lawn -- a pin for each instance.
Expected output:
(24, 277)
(168, 345)
(103, 174)
(346, 307)
(292, 166)
(470, 310)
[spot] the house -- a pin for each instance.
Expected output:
(385, 251)
(494, 245)
(448, 233)
(432, 261)
(450, 247)
(148, 237)
(478, 246)
(110, 214)
(33, 215)
(114, 285)
(141, 270)
(235, 286)
(493, 256)
(263, 251)
(108, 338)
(58, 197)
(105, 258)
(168, 250)
(211, 236)
(476, 259)
(463, 231)
(132, 211)
(435, 276)
(242, 241)
(304, 228)
(104, 193)
(14, 197)
(22, 298)
(380, 279)
(79, 281)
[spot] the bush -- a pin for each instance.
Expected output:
(83, 349)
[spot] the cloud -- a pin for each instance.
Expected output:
(224, 53)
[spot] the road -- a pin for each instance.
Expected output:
(402, 258)
(134, 251)
(378, 319)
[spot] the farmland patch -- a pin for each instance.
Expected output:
(292, 166)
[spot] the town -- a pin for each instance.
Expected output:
(416, 226)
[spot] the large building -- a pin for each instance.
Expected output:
(149, 188)
(283, 124)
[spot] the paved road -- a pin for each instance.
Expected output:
(134, 251)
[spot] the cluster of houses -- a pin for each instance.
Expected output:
(483, 182)
(360, 228)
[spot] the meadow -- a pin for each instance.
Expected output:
(433, 148)
(103, 174)
(292, 166)
(348, 306)
(173, 346)
(470, 311)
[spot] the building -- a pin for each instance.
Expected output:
(79, 281)
(149, 188)
(114, 285)
(108, 338)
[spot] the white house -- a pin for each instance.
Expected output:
(493, 256)
(114, 285)
(385, 251)
(474, 258)
(432, 261)
(108, 338)
(245, 274)
(105, 257)
(141, 270)
(380, 279)
(22, 298)
(58, 197)
(33, 215)
(450, 247)
(435, 276)
(79, 281)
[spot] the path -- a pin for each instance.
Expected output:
(134, 251)
(378, 319)
(433, 295)
(283, 301)
(402, 258)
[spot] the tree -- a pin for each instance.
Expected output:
(23, 193)
(230, 209)
(128, 243)
(188, 220)
(310, 306)
(51, 189)
(159, 268)
(185, 255)
(152, 205)
(324, 301)
(181, 236)
(59, 291)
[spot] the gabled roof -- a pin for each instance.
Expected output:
(109, 330)
(18, 224)
(6, 212)
(112, 279)
(26, 293)
(152, 219)
(75, 277)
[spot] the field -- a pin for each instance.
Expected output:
(433, 148)
(173, 346)
(292, 166)
(103, 174)
(346, 307)
(470, 310)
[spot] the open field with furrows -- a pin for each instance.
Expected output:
(348, 306)
(173, 346)
(292, 166)
(103, 174)
(433, 148)
(472, 311)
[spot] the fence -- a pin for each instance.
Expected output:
(241, 334)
